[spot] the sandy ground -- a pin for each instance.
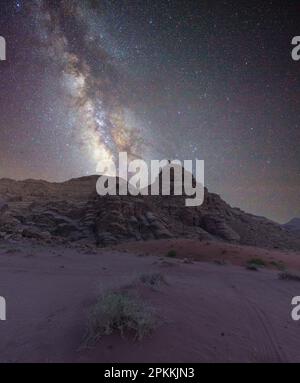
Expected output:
(207, 312)
(206, 251)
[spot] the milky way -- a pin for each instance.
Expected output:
(158, 79)
(105, 126)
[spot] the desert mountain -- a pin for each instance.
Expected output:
(293, 224)
(72, 211)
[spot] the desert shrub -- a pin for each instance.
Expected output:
(171, 254)
(118, 311)
(289, 276)
(252, 267)
(257, 262)
(152, 280)
(279, 265)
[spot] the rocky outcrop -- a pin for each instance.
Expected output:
(73, 212)
(217, 225)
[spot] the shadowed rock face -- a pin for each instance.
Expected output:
(73, 212)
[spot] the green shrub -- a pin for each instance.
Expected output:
(118, 311)
(172, 254)
(279, 265)
(257, 262)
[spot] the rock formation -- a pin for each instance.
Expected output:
(73, 212)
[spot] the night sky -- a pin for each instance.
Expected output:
(212, 80)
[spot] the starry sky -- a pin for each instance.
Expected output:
(212, 80)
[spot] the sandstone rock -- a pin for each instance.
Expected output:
(3, 207)
(65, 229)
(163, 234)
(150, 216)
(217, 226)
(106, 239)
(73, 212)
(35, 234)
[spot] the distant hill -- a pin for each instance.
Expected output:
(293, 224)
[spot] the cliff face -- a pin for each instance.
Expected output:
(73, 212)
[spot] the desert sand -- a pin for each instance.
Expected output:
(207, 311)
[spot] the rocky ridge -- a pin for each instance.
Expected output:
(73, 212)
